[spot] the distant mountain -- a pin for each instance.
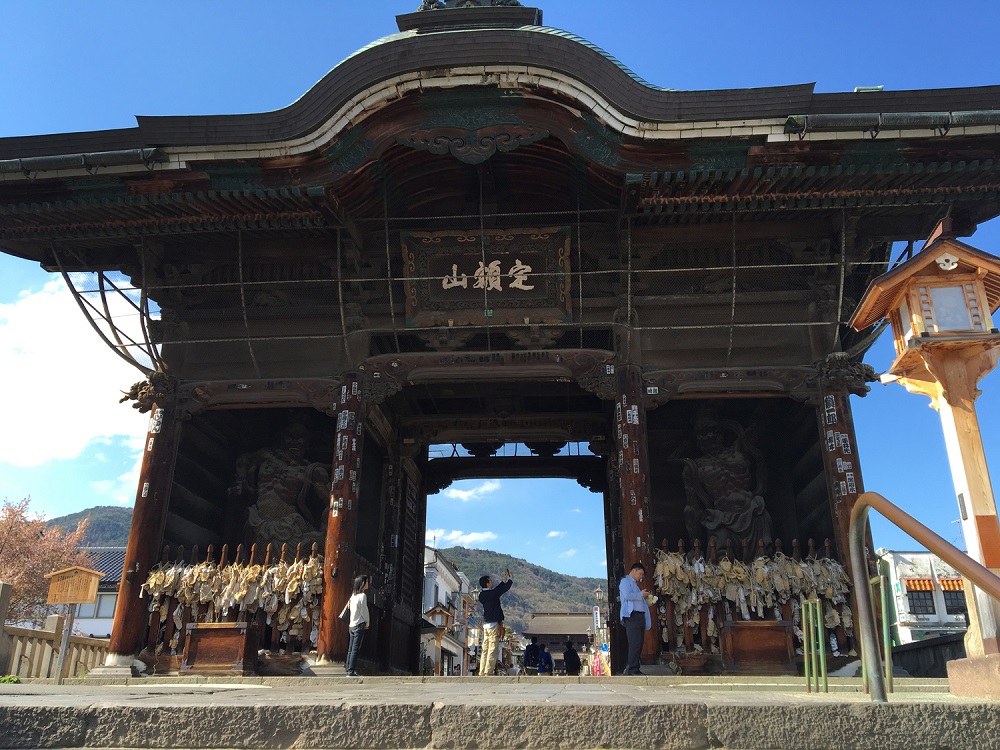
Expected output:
(108, 527)
(536, 589)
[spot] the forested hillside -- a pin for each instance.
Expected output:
(108, 525)
(536, 589)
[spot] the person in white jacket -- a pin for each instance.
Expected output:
(358, 624)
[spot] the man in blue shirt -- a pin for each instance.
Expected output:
(634, 614)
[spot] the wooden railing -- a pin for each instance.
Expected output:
(35, 653)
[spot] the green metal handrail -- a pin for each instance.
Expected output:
(880, 581)
(814, 645)
(979, 575)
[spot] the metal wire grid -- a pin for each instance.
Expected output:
(241, 305)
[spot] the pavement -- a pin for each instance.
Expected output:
(693, 713)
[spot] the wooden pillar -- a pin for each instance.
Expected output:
(843, 475)
(632, 457)
(958, 377)
(342, 523)
(841, 465)
(613, 547)
(391, 528)
(146, 532)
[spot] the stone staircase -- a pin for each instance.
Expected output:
(689, 713)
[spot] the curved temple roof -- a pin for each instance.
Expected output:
(465, 49)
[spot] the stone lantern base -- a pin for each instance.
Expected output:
(977, 677)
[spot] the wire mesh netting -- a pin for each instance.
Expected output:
(722, 293)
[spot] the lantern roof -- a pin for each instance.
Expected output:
(941, 256)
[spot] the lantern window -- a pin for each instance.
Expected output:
(950, 310)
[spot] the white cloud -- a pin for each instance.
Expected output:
(50, 352)
(122, 489)
(443, 538)
(569, 553)
(476, 492)
(577, 510)
(555, 534)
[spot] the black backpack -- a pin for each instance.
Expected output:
(531, 655)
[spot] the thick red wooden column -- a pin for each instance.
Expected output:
(843, 472)
(146, 532)
(342, 522)
(840, 461)
(632, 456)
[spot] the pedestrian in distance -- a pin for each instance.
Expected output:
(531, 656)
(358, 624)
(571, 660)
(545, 665)
(634, 614)
(489, 597)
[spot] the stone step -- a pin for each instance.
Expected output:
(723, 683)
(385, 712)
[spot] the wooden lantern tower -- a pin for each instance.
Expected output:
(939, 303)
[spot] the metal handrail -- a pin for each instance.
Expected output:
(883, 593)
(979, 575)
(814, 646)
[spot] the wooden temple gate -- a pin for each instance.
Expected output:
(437, 246)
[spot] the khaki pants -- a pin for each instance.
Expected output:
(488, 658)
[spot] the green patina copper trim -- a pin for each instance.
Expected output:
(98, 188)
(192, 225)
(349, 152)
(471, 125)
(881, 154)
(720, 154)
(236, 176)
(598, 142)
(470, 109)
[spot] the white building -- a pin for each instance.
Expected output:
(928, 595)
(447, 607)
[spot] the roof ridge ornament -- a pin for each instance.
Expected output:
(446, 4)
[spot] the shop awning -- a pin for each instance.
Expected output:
(952, 584)
(919, 584)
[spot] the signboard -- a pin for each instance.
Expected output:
(509, 276)
(73, 586)
(597, 622)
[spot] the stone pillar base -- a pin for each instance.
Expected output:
(326, 668)
(112, 672)
(978, 677)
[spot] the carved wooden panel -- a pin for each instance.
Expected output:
(491, 277)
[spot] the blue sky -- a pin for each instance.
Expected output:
(68, 66)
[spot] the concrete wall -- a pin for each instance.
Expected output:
(929, 657)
